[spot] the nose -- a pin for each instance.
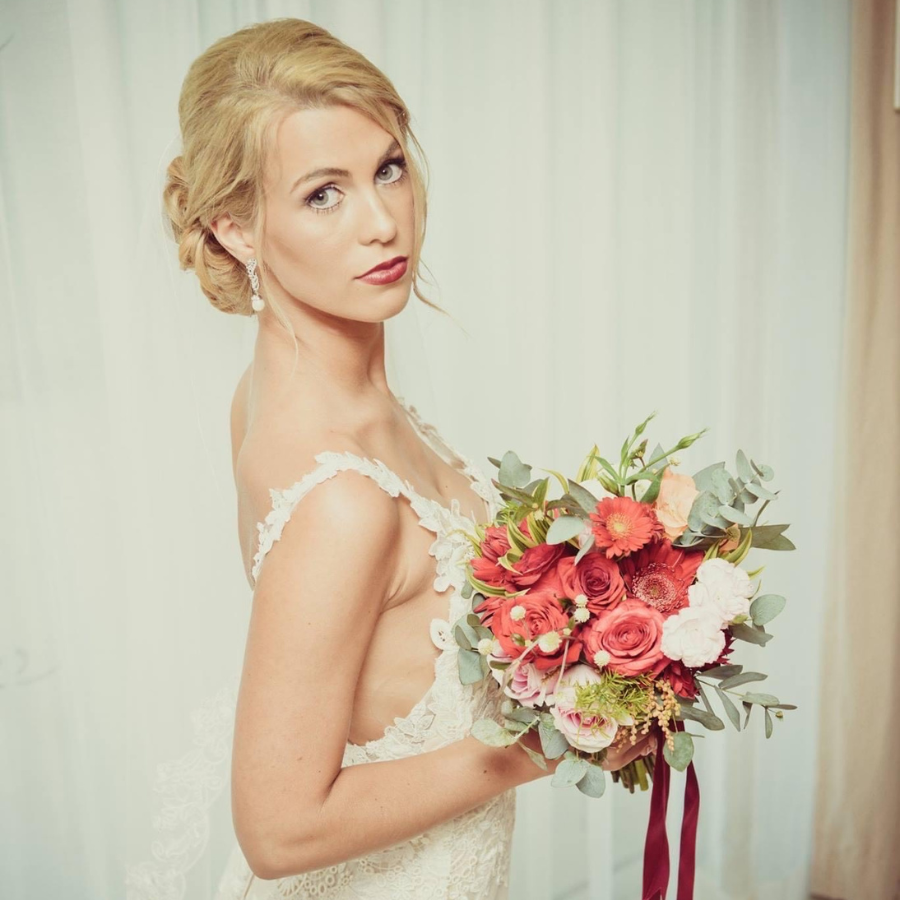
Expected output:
(377, 222)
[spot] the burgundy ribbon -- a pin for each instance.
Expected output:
(656, 846)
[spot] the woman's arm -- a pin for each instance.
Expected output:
(320, 591)
(373, 805)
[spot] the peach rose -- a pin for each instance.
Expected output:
(674, 501)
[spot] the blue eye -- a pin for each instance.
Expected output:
(398, 161)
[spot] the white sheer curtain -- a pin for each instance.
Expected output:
(634, 206)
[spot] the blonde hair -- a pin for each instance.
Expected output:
(232, 99)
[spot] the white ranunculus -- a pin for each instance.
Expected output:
(723, 587)
(693, 635)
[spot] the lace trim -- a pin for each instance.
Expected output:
(188, 787)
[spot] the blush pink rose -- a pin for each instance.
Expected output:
(530, 685)
(587, 732)
(632, 636)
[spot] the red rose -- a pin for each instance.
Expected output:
(493, 574)
(631, 634)
(595, 576)
(534, 562)
(495, 543)
(543, 614)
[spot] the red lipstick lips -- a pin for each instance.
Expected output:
(386, 272)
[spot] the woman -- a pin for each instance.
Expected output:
(296, 199)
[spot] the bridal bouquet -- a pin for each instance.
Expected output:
(614, 610)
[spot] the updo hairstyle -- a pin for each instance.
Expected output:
(233, 98)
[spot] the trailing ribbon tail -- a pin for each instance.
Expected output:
(656, 845)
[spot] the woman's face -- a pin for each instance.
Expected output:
(324, 229)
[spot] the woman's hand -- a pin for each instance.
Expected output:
(619, 754)
(621, 751)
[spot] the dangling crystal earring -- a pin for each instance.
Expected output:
(256, 301)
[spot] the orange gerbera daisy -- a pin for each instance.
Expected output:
(621, 525)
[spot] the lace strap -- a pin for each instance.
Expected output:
(329, 463)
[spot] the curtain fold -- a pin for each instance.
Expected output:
(858, 789)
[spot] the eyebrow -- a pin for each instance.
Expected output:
(343, 173)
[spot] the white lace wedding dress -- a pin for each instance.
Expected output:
(465, 858)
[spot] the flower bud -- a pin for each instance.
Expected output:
(517, 613)
(549, 642)
(485, 646)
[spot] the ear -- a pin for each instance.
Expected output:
(236, 240)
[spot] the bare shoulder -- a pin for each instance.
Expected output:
(276, 451)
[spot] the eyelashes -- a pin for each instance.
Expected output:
(399, 161)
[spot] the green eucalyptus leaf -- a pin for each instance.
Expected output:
(522, 714)
(537, 759)
(680, 757)
(781, 706)
(584, 497)
(722, 488)
(765, 607)
(761, 699)
(704, 698)
(593, 782)
(553, 741)
(514, 726)
(730, 709)
(745, 473)
(467, 590)
(768, 724)
(513, 471)
(722, 671)
(469, 664)
(749, 708)
(706, 719)
(759, 491)
(734, 515)
(769, 537)
(742, 679)
(767, 473)
(745, 632)
(564, 528)
(703, 480)
(465, 635)
(492, 733)
(588, 544)
(569, 772)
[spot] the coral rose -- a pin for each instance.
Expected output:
(539, 613)
(631, 634)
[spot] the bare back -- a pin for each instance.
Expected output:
(271, 451)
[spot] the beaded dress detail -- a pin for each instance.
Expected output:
(465, 858)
